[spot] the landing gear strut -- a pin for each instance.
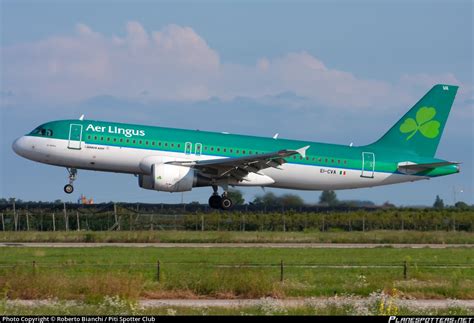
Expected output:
(220, 202)
(68, 188)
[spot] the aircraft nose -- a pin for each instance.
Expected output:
(19, 146)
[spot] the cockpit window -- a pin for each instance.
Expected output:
(36, 131)
(42, 132)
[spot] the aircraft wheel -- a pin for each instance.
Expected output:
(226, 203)
(68, 188)
(215, 201)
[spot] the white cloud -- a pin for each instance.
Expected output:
(175, 63)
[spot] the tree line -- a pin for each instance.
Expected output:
(103, 217)
(270, 200)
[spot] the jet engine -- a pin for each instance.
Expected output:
(168, 178)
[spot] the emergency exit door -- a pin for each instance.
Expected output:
(368, 165)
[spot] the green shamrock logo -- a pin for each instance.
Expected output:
(424, 123)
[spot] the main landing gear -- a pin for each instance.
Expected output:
(68, 188)
(220, 202)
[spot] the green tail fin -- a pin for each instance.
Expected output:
(420, 129)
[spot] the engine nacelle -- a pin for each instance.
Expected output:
(168, 178)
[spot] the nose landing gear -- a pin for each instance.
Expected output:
(220, 202)
(68, 188)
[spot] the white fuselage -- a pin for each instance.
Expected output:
(130, 160)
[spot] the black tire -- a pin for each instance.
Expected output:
(226, 203)
(215, 201)
(68, 189)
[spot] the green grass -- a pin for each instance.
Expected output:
(92, 273)
(117, 306)
(242, 237)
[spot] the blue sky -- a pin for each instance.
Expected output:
(336, 72)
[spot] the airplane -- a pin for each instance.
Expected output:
(177, 160)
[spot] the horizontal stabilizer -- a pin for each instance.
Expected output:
(410, 167)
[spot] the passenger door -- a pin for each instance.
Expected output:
(75, 136)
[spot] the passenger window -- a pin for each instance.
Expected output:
(121, 139)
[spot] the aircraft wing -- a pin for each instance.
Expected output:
(415, 168)
(239, 167)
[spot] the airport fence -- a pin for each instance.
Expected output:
(197, 217)
(278, 267)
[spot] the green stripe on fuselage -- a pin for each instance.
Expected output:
(228, 145)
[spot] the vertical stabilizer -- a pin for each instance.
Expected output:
(421, 128)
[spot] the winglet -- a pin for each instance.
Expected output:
(81, 117)
(302, 151)
(275, 136)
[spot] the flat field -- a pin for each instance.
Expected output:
(90, 274)
(377, 236)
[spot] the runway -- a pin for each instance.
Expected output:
(232, 245)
